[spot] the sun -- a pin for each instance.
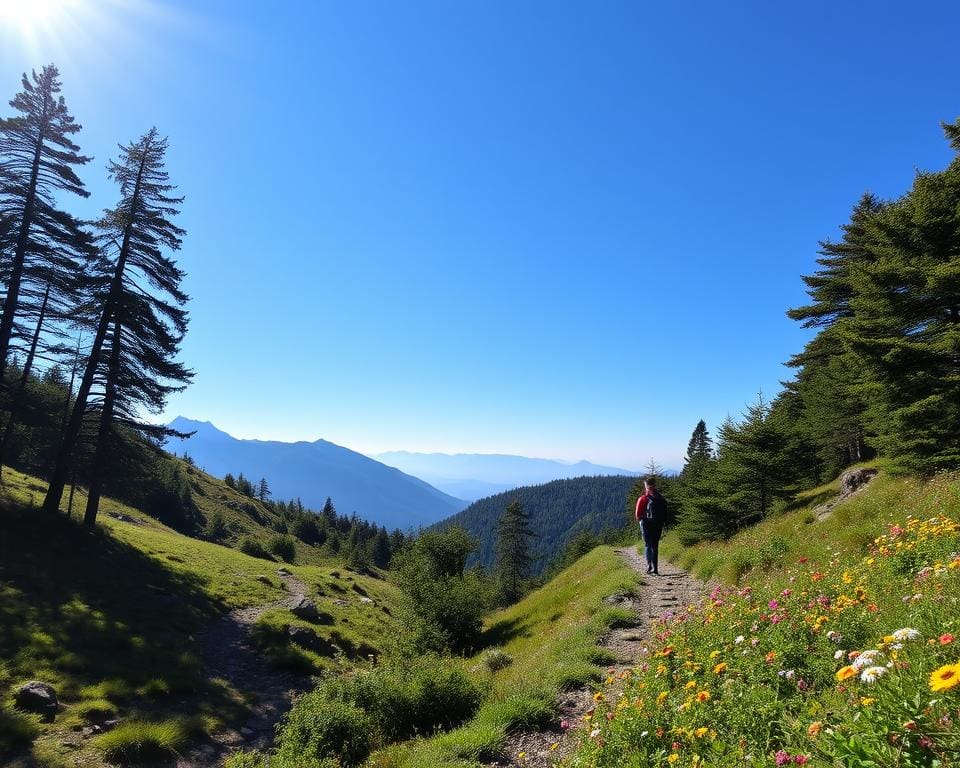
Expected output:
(31, 15)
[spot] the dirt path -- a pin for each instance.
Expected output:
(670, 591)
(229, 654)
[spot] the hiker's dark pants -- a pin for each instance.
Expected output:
(651, 540)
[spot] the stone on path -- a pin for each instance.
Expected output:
(305, 608)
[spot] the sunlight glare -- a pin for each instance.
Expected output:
(30, 14)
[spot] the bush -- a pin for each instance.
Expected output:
(318, 729)
(142, 742)
(283, 546)
(496, 659)
(252, 546)
(398, 700)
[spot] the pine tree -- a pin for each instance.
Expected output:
(754, 465)
(700, 447)
(330, 513)
(37, 157)
(141, 322)
(263, 490)
(703, 514)
(513, 551)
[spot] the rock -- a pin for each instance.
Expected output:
(366, 601)
(307, 638)
(283, 572)
(305, 608)
(109, 724)
(853, 479)
(246, 732)
(265, 580)
(38, 697)
(341, 603)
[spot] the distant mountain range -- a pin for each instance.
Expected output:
(473, 476)
(314, 471)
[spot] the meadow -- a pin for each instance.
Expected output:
(823, 643)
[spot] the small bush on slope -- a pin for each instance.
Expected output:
(846, 656)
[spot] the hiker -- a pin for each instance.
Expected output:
(650, 513)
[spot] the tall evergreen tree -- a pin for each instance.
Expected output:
(37, 162)
(513, 551)
(700, 447)
(142, 321)
(263, 490)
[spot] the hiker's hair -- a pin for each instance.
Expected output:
(651, 481)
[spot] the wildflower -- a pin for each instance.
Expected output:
(714, 654)
(945, 678)
(700, 732)
(872, 674)
(801, 759)
(946, 638)
(834, 636)
(564, 725)
(770, 657)
(910, 725)
(738, 639)
(703, 696)
(782, 757)
(845, 673)
(867, 659)
(554, 745)
(721, 667)
(902, 635)
(838, 655)
(598, 696)
(813, 730)
(788, 674)
(661, 697)
(691, 684)
(672, 758)
(521, 755)
(867, 701)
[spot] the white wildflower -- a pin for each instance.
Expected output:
(902, 635)
(872, 674)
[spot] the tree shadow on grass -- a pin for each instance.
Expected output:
(809, 501)
(99, 619)
(501, 633)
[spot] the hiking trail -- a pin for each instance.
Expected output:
(229, 654)
(673, 589)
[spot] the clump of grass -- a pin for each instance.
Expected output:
(94, 710)
(155, 688)
(143, 742)
(17, 730)
(495, 659)
(113, 689)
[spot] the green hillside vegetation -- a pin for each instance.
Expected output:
(529, 652)
(766, 670)
(557, 511)
(112, 618)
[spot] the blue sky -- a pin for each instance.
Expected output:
(556, 229)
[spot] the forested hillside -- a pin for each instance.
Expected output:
(557, 511)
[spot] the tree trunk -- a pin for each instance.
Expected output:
(58, 478)
(104, 434)
(12, 299)
(17, 400)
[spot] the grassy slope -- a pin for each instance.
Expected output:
(111, 618)
(552, 637)
(886, 558)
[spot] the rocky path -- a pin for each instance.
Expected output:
(672, 590)
(230, 655)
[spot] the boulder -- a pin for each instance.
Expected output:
(283, 572)
(305, 609)
(366, 601)
(854, 479)
(265, 580)
(38, 697)
(307, 638)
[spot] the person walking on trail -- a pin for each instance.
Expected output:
(651, 513)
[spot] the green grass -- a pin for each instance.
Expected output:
(551, 635)
(143, 742)
(111, 617)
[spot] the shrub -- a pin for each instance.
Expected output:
(141, 742)
(252, 546)
(496, 659)
(317, 729)
(772, 553)
(412, 697)
(283, 546)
